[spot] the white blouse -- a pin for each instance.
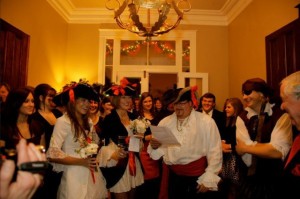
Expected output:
(282, 134)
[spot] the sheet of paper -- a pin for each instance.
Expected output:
(164, 135)
(134, 144)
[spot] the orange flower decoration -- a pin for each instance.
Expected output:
(120, 89)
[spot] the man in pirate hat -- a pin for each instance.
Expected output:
(190, 170)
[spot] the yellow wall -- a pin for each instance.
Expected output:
(48, 38)
(82, 52)
(247, 57)
(62, 52)
(212, 58)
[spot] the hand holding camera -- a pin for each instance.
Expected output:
(30, 162)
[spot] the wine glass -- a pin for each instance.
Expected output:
(122, 142)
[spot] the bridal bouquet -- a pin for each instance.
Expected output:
(139, 125)
(88, 148)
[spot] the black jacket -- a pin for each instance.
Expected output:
(112, 127)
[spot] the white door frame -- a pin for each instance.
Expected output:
(142, 72)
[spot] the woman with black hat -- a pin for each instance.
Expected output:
(271, 131)
(119, 164)
(72, 145)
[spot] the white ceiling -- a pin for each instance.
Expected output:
(203, 12)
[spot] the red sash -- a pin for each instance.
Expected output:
(296, 170)
(131, 159)
(196, 168)
(132, 167)
(295, 148)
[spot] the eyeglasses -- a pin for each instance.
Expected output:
(247, 92)
(181, 103)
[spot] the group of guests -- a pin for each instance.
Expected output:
(248, 150)
(256, 141)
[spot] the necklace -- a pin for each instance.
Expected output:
(182, 123)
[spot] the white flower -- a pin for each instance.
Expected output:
(88, 146)
(90, 149)
(139, 125)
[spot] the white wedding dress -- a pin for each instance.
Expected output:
(77, 181)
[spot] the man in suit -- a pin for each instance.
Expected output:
(207, 105)
(290, 95)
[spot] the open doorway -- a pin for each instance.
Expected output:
(161, 82)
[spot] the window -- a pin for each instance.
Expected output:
(123, 54)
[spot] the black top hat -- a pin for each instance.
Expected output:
(124, 89)
(75, 91)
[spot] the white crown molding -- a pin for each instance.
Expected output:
(64, 8)
(222, 17)
(238, 7)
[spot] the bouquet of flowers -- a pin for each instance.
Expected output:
(88, 148)
(139, 125)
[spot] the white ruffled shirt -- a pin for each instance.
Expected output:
(243, 135)
(282, 135)
(199, 137)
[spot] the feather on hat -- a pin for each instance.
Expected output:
(125, 89)
(74, 91)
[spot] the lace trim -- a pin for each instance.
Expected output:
(55, 153)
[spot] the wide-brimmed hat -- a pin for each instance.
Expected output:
(75, 91)
(170, 96)
(256, 84)
(124, 89)
(190, 94)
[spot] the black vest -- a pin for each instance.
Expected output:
(265, 167)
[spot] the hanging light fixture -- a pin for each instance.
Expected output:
(130, 18)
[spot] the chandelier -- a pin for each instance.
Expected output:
(130, 18)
